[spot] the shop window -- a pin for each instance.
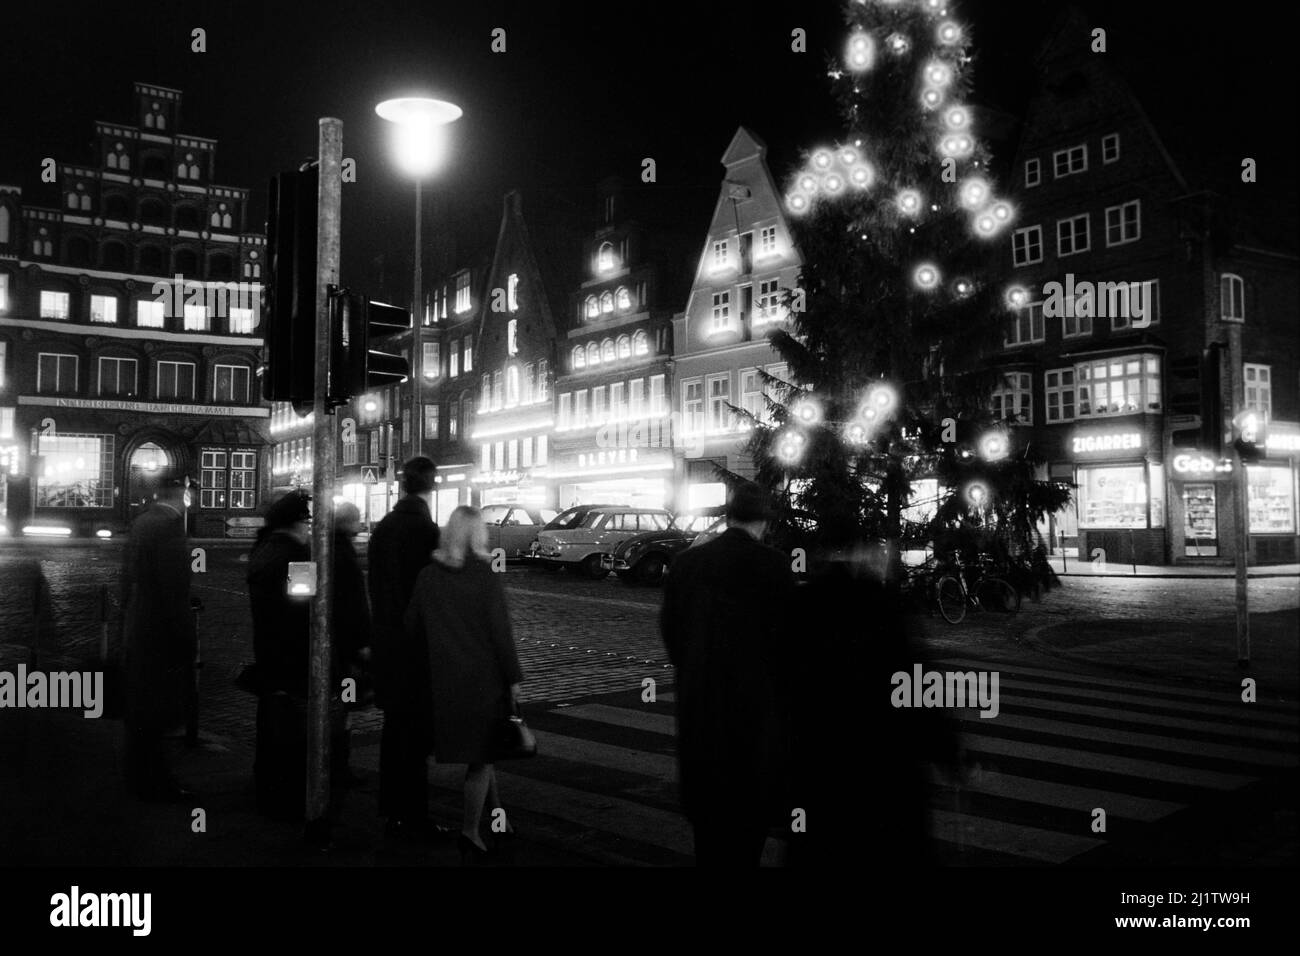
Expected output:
(1270, 498)
(1200, 520)
(78, 471)
(1112, 496)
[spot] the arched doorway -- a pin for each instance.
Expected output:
(147, 468)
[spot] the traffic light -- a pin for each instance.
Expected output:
(291, 291)
(356, 326)
(1249, 434)
(1211, 437)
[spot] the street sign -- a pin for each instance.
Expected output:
(368, 475)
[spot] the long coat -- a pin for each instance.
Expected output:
(350, 621)
(158, 635)
(459, 615)
(281, 623)
(399, 549)
(726, 623)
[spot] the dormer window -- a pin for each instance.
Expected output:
(593, 307)
(622, 299)
(606, 302)
(605, 257)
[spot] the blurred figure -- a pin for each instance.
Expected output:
(854, 637)
(725, 623)
(459, 613)
(350, 631)
(158, 641)
(400, 547)
(281, 649)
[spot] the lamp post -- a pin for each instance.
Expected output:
(419, 142)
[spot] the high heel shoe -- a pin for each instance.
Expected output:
(471, 854)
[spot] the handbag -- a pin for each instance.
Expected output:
(514, 741)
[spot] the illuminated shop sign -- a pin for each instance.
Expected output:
(1113, 441)
(621, 456)
(1195, 464)
(1283, 439)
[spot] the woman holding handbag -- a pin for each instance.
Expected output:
(459, 611)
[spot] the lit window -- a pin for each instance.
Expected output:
(543, 383)
(598, 411)
(1259, 388)
(1059, 392)
(1033, 172)
(149, 314)
(498, 393)
(1123, 223)
(640, 343)
(4, 292)
(605, 257)
(607, 302)
(565, 415)
(593, 353)
(767, 241)
(719, 416)
(1110, 148)
(512, 385)
(7, 422)
(453, 359)
(1122, 385)
(580, 408)
(658, 403)
(512, 292)
(432, 360)
(241, 321)
(462, 293)
(769, 299)
(431, 421)
(196, 318)
(467, 351)
(579, 357)
(624, 346)
(530, 383)
(512, 337)
(593, 307)
(636, 398)
(751, 395)
(607, 350)
(54, 305)
(1027, 246)
(693, 406)
(1232, 298)
(103, 308)
(1072, 235)
(622, 299)
(720, 254)
(1067, 162)
(618, 402)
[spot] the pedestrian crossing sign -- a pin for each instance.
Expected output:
(368, 476)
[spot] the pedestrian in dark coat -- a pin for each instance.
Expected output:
(158, 641)
(399, 549)
(350, 621)
(725, 620)
(282, 651)
(459, 613)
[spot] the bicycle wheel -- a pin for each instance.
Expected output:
(996, 594)
(951, 597)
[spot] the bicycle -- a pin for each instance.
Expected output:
(987, 590)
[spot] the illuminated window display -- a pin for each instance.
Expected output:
(1200, 525)
(1272, 506)
(1112, 496)
(77, 471)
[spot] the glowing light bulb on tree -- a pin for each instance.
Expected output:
(931, 97)
(862, 52)
(898, 44)
(963, 287)
(855, 434)
(909, 202)
(822, 160)
(879, 402)
(986, 225)
(993, 446)
(974, 193)
(797, 203)
(833, 183)
(808, 183)
(926, 276)
(807, 411)
(956, 117)
(862, 175)
(933, 6)
(1016, 297)
(938, 74)
(789, 447)
(1002, 212)
(976, 494)
(957, 145)
(948, 33)
(848, 156)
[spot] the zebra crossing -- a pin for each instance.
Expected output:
(1062, 746)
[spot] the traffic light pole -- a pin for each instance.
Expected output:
(320, 691)
(417, 346)
(1240, 489)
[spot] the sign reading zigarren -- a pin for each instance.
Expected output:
(1113, 441)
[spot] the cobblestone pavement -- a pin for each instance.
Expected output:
(576, 637)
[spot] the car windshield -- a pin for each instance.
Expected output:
(692, 524)
(566, 520)
(591, 520)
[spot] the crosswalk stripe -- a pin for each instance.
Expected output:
(1030, 843)
(623, 717)
(1108, 763)
(1107, 735)
(1060, 795)
(611, 757)
(1168, 690)
(1219, 714)
(1207, 724)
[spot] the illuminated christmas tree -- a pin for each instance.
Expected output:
(897, 225)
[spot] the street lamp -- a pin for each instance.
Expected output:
(419, 144)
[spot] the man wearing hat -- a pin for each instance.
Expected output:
(726, 623)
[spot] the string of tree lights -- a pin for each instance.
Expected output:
(897, 226)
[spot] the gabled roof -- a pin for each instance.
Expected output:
(744, 145)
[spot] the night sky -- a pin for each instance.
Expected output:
(584, 90)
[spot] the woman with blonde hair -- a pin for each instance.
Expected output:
(459, 610)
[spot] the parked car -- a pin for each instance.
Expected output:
(710, 533)
(644, 558)
(601, 531)
(566, 520)
(513, 527)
